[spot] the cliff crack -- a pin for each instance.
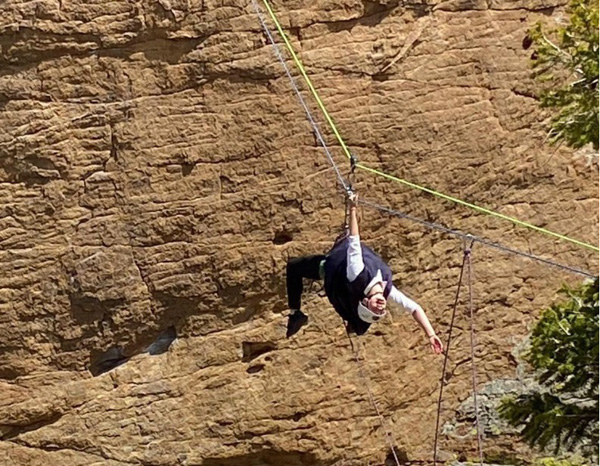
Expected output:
(11, 431)
(55, 448)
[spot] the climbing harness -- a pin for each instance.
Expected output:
(349, 155)
(466, 263)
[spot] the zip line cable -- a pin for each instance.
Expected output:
(315, 94)
(480, 209)
(345, 184)
(478, 239)
(306, 78)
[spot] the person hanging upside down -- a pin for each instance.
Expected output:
(358, 284)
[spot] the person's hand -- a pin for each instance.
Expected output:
(436, 344)
(353, 198)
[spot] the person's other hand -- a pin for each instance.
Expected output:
(436, 344)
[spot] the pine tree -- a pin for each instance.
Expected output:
(564, 354)
(566, 61)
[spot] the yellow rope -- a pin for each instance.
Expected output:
(394, 178)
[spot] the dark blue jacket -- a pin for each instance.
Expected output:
(345, 295)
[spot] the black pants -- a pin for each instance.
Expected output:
(297, 269)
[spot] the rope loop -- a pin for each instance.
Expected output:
(446, 354)
(466, 264)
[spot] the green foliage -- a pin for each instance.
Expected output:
(564, 353)
(567, 60)
(556, 462)
(564, 343)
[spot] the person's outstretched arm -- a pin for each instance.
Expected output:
(421, 318)
(419, 315)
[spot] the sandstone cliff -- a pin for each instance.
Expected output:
(156, 171)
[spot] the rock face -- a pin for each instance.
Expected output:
(156, 172)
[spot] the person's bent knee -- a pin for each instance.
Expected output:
(290, 263)
(293, 261)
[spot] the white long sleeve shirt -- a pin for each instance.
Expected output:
(355, 266)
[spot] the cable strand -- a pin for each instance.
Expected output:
(388, 436)
(473, 365)
(478, 239)
(446, 355)
(311, 120)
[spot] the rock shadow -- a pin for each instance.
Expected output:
(163, 342)
(252, 350)
(104, 361)
(268, 457)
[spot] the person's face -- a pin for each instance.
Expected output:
(376, 303)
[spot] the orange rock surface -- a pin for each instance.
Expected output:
(156, 172)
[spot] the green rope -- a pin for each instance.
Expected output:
(400, 180)
(478, 208)
(307, 79)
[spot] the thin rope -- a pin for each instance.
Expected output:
(480, 209)
(372, 170)
(478, 239)
(313, 123)
(346, 185)
(446, 354)
(388, 436)
(307, 79)
(473, 366)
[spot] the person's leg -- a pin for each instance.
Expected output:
(297, 269)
